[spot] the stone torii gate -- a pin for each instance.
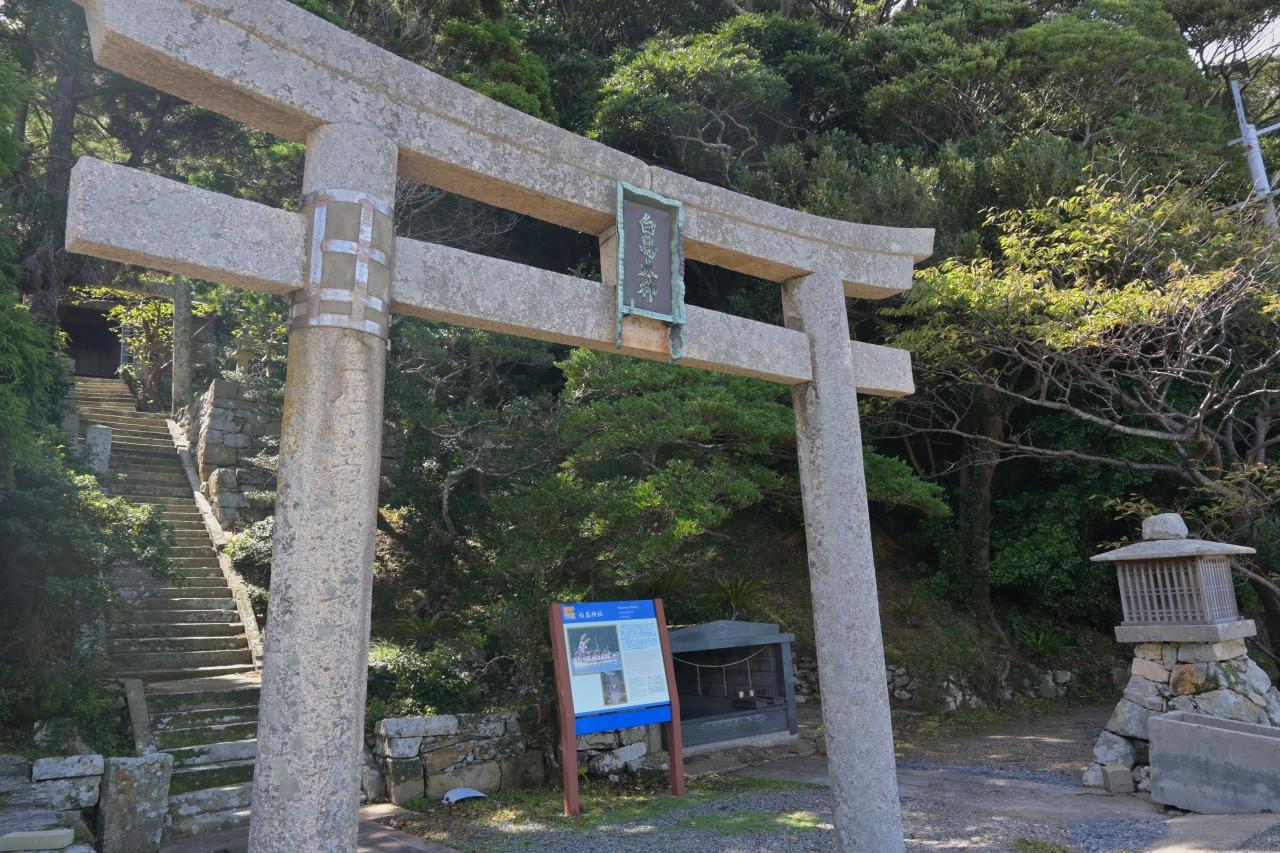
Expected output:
(368, 116)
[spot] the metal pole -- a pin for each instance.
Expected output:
(1253, 155)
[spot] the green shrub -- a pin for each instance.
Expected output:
(73, 697)
(448, 677)
(60, 535)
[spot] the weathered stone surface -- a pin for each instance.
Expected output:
(1113, 749)
(404, 779)
(526, 771)
(482, 725)
(373, 786)
(401, 727)
(1203, 652)
(1256, 677)
(1149, 670)
(444, 756)
(1092, 777)
(1150, 651)
(1129, 720)
(1177, 632)
(598, 740)
(484, 776)
(622, 758)
(74, 793)
(66, 767)
(97, 448)
(507, 746)
(1168, 655)
(1146, 693)
(398, 747)
(1229, 705)
(1272, 700)
(1242, 761)
(855, 707)
(314, 672)
(134, 803)
(635, 734)
(37, 839)
(1117, 779)
(1142, 777)
(1188, 678)
(1183, 703)
(1166, 525)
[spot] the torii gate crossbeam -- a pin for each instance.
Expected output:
(366, 117)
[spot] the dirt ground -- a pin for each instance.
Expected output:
(1058, 742)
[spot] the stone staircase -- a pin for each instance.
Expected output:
(184, 639)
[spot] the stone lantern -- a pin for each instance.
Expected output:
(1175, 589)
(1180, 612)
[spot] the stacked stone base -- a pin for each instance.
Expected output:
(1215, 679)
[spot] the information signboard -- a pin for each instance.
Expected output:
(613, 671)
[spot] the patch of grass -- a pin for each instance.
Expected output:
(753, 822)
(640, 800)
(1038, 845)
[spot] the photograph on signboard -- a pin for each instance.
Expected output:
(594, 649)
(614, 687)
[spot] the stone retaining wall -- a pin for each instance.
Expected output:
(909, 688)
(227, 431)
(426, 756)
(1215, 679)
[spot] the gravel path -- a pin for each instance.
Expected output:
(798, 821)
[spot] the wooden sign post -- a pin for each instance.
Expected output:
(613, 671)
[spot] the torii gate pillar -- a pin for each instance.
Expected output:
(306, 785)
(842, 576)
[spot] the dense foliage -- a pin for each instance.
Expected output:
(1070, 154)
(60, 534)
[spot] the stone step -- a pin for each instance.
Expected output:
(202, 694)
(179, 615)
(206, 735)
(212, 586)
(107, 408)
(186, 779)
(207, 823)
(148, 463)
(135, 489)
(213, 753)
(127, 482)
(177, 629)
(203, 588)
(174, 673)
(192, 550)
(210, 800)
(181, 660)
(204, 717)
(133, 444)
(193, 604)
(125, 645)
(208, 561)
(122, 428)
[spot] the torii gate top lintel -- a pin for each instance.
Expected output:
(367, 116)
(276, 67)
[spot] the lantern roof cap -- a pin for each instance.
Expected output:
(1164, 537)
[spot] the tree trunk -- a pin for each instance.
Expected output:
(977, 478)
(46, 265)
